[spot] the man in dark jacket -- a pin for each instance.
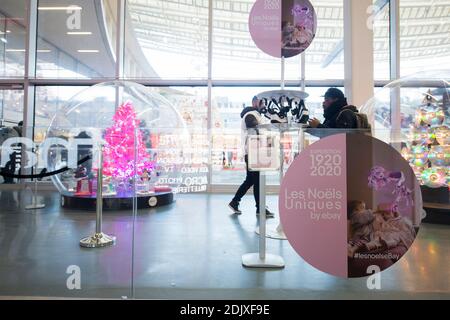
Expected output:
(337, 113)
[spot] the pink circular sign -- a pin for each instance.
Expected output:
(350, 205)
(282, 28)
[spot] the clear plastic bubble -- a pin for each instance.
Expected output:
(415, 119)
(141, 134)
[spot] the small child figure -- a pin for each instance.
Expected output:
(144, 185)
(145, 177)
(360, 219)
(81, 172)
(379, 236)
(397, 229)
(361, 226)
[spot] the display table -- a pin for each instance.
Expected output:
(437, 213)
(436, 203)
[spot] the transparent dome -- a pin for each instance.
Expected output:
(140, 132)
(412, 114)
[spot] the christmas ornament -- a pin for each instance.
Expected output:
(434, 177)
(419, 155)
(125, 154)
(439, 155)
(442, 134)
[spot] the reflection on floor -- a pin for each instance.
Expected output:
(189, 250)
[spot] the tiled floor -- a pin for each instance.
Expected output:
(188, 250)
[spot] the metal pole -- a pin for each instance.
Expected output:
(303, 70)
(99, 239)
(394, 32)
(120, 40)
(29, 73)
(209, 110)
(282, 132)
(282, 72)
(98, 226)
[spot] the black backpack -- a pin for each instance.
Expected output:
(362, 122)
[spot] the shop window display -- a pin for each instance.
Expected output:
(192, 104)
(227, 159)
(416, 121)
(142, 138)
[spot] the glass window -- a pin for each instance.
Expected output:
(381, 40)
(411, 100)
(166, 40)
(227, 156)
(413, 118)
(325, 56)
(11, 107)
(228, 163)
(49, 99)
(424, 40)
(227, 103)
(192, 105)
(12, 38)
(76, 40)
(235, 55)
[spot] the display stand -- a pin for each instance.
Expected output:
(277, 232)
(285, 126)
(99, 239)
(272, 232)
(34, 202)
(262, 259)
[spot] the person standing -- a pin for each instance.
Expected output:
(251, 118)
(14, 157)
(337, 113)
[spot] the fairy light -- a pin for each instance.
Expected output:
(122, 158)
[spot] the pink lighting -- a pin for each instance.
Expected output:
(124, 159)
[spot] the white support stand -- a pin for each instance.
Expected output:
(278, 232)
(262, 259)
(34, 202)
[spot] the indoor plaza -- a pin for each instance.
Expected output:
(224, 149)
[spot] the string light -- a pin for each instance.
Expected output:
(122, 158)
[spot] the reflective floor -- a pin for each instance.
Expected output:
(188, 250)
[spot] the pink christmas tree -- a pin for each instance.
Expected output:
(122, 157)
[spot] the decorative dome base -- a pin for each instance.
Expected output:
(436, 204)
(110, 203)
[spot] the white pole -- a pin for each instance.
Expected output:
(262, 215)
(34, 203)
(261, 259)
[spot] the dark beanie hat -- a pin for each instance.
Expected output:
(334, 93)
